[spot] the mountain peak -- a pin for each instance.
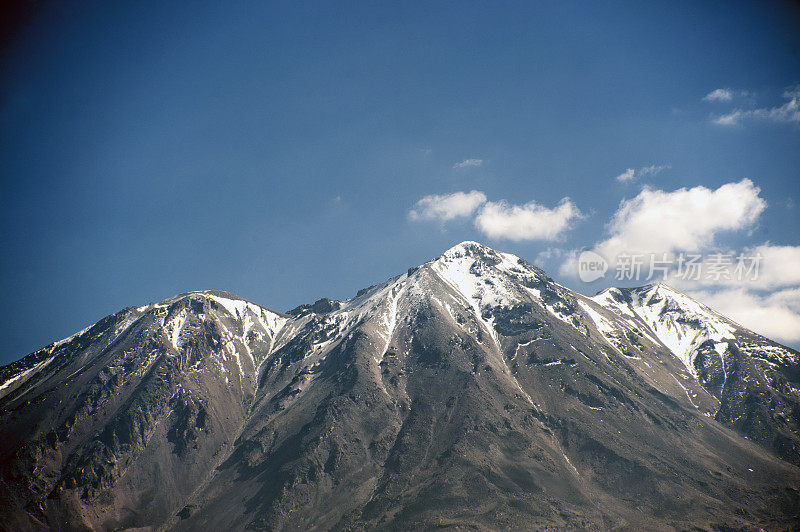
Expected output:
(469, 248)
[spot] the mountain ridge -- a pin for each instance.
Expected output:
(473, 375)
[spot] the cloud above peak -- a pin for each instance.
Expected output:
(789, 112)
(447, 207)
(627, 175)
(499, 219)
(466, 163)
(630, 174)
(775, 315)
(657, 221)
(719, 95)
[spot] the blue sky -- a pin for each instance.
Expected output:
(276, 150)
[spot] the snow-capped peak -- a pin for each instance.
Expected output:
(680, 323)
(481, 274)
(468, 248)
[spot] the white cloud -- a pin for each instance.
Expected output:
(792, 92)
(750, 301)
(788, 112)
(688, 220)
(468, 162)
(531, 221)
(447, 206)
(630, 174)
(653, 169)
(627, 175)
(548, 255)
(780, 265)
(776, 315)
(569, 267)
(656, 221)
(773, 267)
(719, 95)
(730, 119)
(499, 219)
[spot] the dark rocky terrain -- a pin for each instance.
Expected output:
(472, 392)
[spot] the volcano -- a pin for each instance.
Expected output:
(471, 392)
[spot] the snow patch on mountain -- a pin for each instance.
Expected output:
(22, 376)
(679, 322)
(605, 327)
(70, 338)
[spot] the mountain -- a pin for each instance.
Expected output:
(470, 392)
(753, 381)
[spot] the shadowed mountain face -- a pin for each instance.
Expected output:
(472, 392)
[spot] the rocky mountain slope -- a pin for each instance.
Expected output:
(472, 391)
(754, 381)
